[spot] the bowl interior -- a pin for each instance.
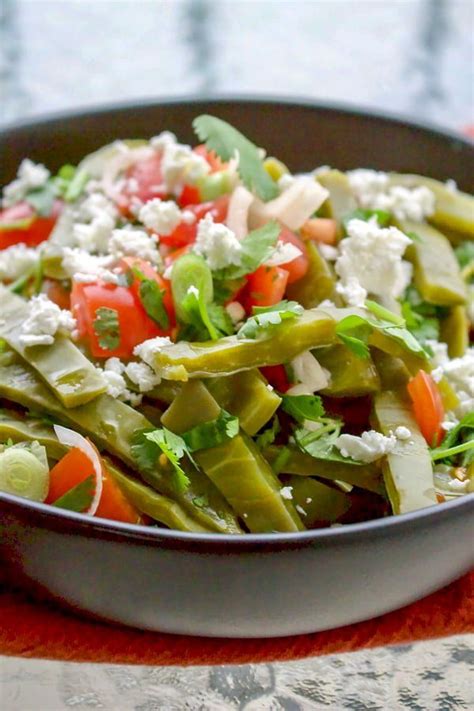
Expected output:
(303, 135)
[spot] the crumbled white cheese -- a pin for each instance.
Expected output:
(143, 376)
(402, 433)
(116, 385)
(327, 304)
(329, 252)
(372, 190)
(283, 253)
(236, 312)
(45, 319)
(300, 510)
(84, 268)
(95, 205)
(131, 242)
(30, 176)
(148, 349)
(309, 500)
(16, 260)
(352, 292)
(160, 142)
(373, 255)
(94, 236)
(180, 164)
(368, 447)
(310, 376)
(193, 290)
(270, 388)
(286, 492)
(448, 425)
(217, 244)
(162, 216)
(459, 372)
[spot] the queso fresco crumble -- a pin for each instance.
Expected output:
(194, 337)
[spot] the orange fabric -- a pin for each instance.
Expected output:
(41, 630)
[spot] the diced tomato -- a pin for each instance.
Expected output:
(265, 287)
(218, 209)
(299, 266)
(37, 228)
(134, 324)
(427, 407)
(148, 271)
(57, 293)
(144, 181)
(73, 469)
(216, 164)
(190, 195)
(276, 376)
(185, 233)
(320, 229)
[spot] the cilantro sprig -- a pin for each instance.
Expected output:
(107, 328)
(459, 440)
(265, 317)
(355, 331)
(79, 498)
(225, 140)
(151, 297)
(147, 446)
(303, 407)
(211, 434)
(256, 248)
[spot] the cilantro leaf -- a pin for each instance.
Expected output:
(220, 319)
(267, 316)
(303, 407)
(256, 247)
(147, 445)
(354, 332)
(42, 199)
(320, 443)
(422, 319)
(106, 327)
(459, 440)
(79, 498)
(465, 254)
(197, 316)
(210, 434)
(383, 218)
(268, 436)
(151, 297)
(228, 142)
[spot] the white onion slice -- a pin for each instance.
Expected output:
(284, 253)
(238, 212)
(293, 207)
(311, 376)
(74, 439)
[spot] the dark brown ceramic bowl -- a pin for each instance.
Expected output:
(254, 585)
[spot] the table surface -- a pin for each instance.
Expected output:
(410, 57)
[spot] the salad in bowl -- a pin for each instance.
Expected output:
(194, 338)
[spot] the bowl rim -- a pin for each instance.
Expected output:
(214, 540)
(302, 102)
